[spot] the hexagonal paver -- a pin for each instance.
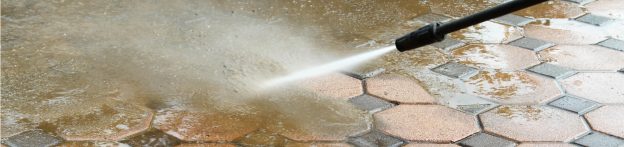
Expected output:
(576, 33)
(32, 138)
(398, 88)
(431, 123)
(594, 19)
(600, 87)
(574, 104)
(533, 123)
(153, 137)
(455, 70)
(504, 57)
(612, 43)
(599, 139)
(486, 140)
(531, 44)
(513, 87)
(334, 85)
(552, 9)
(513, 20)
(585, 57)
(608, 119)
(365, 71)
(469, 104)
(488, 32)
(429, 145)
(370, 103)
(611, 8)
(545, 145)
(376, 138)
(207, 145)
(553, 71)
(448, 44)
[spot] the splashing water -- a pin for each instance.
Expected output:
(329, 67)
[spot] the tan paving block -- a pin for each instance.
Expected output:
(398, 88)
(429, 145)
(533, 123)
(565, 32)
(611, 8)
(334, 85)
(552, 9)
(504, 57)
(513, 87)
(546, 145)
(608, 119)
(300, 144)
(586, 57)
(600, 87)
(488, 32)
(432, 123)
(207, 145)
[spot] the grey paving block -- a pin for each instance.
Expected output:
(514, 20)
(455, 70)
(594, 19)
(469, 104)
(431, 18)
(486, 140)
(599, 140)
(553, 71)
(575, 104)
(370, 103)
(532, 44)
(612, 43)
(474, 108)
(365, 71)
(448, 44)
(375, 138)
(580, 2)
(32, 138)
(153, 137)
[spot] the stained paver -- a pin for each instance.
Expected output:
(563, 31)
(370, 103)
(32, 138)
(334, 85)
(553, 71)
(546, 145)
(575, 104)
(262, 137)
(429, 145)
(317, 144)
(584, 57)
(448, 44)
(503, 57)
(486, 140)
(604, 88)
(513, 87)
(455, 70)
(431, 17)
(594, 19)
(513, 20)
(153, 137)
(599, 139)
(612, 43)
(469, 104)
(398, 88)
(552, 9)
(376, 138)
(608, 119)
(531, 44)
(207, 145)
(432, 123)
(365, 71)
(581, 2)
(533, 123)
(487, 32)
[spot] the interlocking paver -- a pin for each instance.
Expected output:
(429, 145)
(552, 9)
(599, 140)
(398, 88)
(594, 19)
(599, 87)
(531, 44)
(32, 138)
(504, 57)
(370, 103)
(488, 32)
(376, 138)
(152, 137)
(546, 145)
(448, 44)
(486, 140)
(533, 123)
(584, 57)
(365, 71)
(565, 32)
(469, 103)
(514, 20)
(613, 44)
(551, 70)
(334, 85)
(455, 70)
(433, 123)
(611, 8)
(513, 87)
(608, 119)
(575, 104)
(581, 2)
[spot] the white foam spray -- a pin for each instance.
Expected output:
(329, 67)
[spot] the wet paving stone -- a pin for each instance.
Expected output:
(594, 19)
(334, 85)
(608, 119)
(152, 137)
(575, 104)
(612, 43)
(611, 8)
(375, 138)
(546, 145)
(575, 32)
(370, 103)
(448, 44)
(207, 145)
(533, 123)
(514, 20)
(262, 137)
(398, 88)
(365, 71)
(531, 44)
(605, 88)
(92, 144)
(553, 71)
(425, 19)
(431, 123)
(317, 144)
(486, 140)
(577, 57)
(513, 87)
(455, 70)
(34, 138)
(580, 2)
(487, 32)
(552, 9)
(430, 145)
(599, 140)
(503, 57)
(469, 104)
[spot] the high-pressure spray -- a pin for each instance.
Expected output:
(435, 32)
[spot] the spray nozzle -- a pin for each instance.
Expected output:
(424, 36)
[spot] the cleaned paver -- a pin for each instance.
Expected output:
(334, 85)
(531, 44)
(432, 123)
(448, 44)
(153, 137)
(611, 8)
(575, 104)
(376, 138)
(551, 70)
(370, 103)
(564, 31)
(503, 57)
(599, 87)
(546, 145)
(455, 70)
(32, 138)
(486, 140)
(513, 20)
(429, 145)
(594, 19)
(513, 87)
(488, 32)
(612, 43)
(608, 119)
(533, 123)
(584, 57)
(398, 88)
(599, 140)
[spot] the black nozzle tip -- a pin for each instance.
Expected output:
(423, 36)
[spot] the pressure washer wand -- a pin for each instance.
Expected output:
(436, 32)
